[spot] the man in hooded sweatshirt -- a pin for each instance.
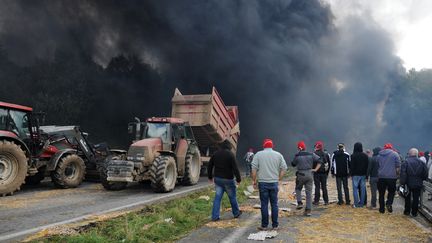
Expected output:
(413, 173)
(340, 168)
(305, 168)
(358, 167)
(388, 172)
(372, 174)
(320, 177)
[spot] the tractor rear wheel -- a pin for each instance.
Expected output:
(163, 174)
(13, 167)
(110, 185)
(70, 172)
(192, 167)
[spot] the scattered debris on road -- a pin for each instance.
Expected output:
(262, 235)
(204, 198)
(253, 197)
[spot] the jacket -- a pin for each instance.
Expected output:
(224, 164)
(359, 161)
(340, 163)
(325, 165)
(373, 165)
(389, 163)
(413, 172)
(305, 160)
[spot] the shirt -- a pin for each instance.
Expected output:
(268, 164)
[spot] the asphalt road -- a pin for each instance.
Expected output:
(38, 207)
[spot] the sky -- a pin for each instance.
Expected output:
(409, 23)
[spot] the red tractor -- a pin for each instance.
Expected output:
(164, 152)
(29, 152)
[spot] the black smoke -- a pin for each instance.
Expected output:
(294, 74)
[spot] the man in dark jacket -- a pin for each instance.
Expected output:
(372, 174)
(388, 172)
(340, 168)
(225, 167)
(413, 173)
(320, 177)
(305, 168)
(358, 167)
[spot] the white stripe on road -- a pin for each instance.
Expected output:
(239, 232)
(68, 221)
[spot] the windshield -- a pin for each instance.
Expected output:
(14, 121)
(157, 130)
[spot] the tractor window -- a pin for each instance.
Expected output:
(3, 119)
(158, 130)
(19, 123)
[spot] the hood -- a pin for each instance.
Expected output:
(358, 147)
(385, 152)
(376, 151)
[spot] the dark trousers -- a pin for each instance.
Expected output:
(373, 181)
(320, 181)
(412, 207)
(339, 182)
(383, 186)
(269, 192)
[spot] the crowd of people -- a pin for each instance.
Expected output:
(381, 167)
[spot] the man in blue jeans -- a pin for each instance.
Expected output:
(225, 167)
(358, 168)
(268, 168)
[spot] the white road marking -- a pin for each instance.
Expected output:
(239, 232)
(120, 208)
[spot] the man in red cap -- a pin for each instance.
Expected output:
(268, 168)
(320, 177)
(305, 168)
(388, 172)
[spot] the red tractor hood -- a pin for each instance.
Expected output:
(154, 144)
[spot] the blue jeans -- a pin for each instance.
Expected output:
(269, 191)
(225, 185)
(359, 181)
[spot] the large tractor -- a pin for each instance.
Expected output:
(29, 152)
(163, 152)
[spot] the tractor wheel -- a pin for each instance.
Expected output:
(36, 178)
(109, 185)
(192, 167)
(163, 174)
(13, 168)
(70, 172)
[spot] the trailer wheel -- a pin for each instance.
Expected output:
(13, 168)
(70, 172)
(192, 167)
(110, 185)
(163, 174)
(35, 179)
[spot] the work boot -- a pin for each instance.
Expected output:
(307, 213)
(390, 208)
(238, 215)
(326, 203)
(315, 203)
(407, 213)
(299, 205)
(341, 202)
(260, 228)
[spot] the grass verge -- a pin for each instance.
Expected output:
(152, 223)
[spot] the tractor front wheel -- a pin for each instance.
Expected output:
(13, 168)
(192, 167)
(163, 174)
(70, 172)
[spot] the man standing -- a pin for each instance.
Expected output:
(320, 177)
(304, 162)
(340, 168)
(225, 167)
(413, 173)
(268, 168)
(248, 161)
(372, 174)
(388, 171)
(358, 167)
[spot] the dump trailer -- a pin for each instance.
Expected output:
(426, 200)
(212, 122)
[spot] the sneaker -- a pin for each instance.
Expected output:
(238, 215)
(381, 210)
(299, 205)
(390, 208)
(214, 220)
(262, 228)
(348, 203)
(307, 213)
(406, 213)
